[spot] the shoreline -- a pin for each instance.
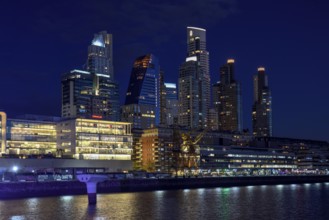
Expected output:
(18, 190)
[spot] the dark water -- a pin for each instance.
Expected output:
(305, 201)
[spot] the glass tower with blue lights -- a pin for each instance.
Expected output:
(142, 104)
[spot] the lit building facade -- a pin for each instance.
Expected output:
(156, 149)
(262, 107)
(90, 139)
(88, 95)
(35, 136)
(228, 100)
(32, 135)
(142, 104)
(225, 153)
(3, 132)
(311, 155)
(248, 161)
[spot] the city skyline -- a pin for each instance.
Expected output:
(291, 47)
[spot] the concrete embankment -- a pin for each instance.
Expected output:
(40, 189)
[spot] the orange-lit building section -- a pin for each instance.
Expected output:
(149, 151)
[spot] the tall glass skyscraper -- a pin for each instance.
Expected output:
(262, 107)
(228, 100)
(194, 82)
(142, 105)
(196, 46)
(93, 93)
(100, 55)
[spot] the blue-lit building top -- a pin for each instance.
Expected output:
(100, 55)
(142, 104)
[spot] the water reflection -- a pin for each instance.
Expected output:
(305, 201)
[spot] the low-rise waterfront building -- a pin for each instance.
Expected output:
(310, 154)
(155, 149)
(34, 136)
(31, 135)
(95, 139)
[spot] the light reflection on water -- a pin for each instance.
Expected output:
(296, 201)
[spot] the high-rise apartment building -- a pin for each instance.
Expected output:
(262, 107)
(197, 46)
(194, 82)
(142, 105)
(228, 102)
(93, 93)
(193, 111)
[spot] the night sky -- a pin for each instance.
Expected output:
(40, 40)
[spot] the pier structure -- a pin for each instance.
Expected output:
(91, 181)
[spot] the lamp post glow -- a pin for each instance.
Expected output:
(15, 168)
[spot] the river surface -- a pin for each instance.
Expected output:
(302, 201)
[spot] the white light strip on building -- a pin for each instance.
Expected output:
(196, 28)
(107, 76)
(80, 71)
(194, 58)
(170, 85)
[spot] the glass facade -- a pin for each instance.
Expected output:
(34, 136)
(194, 82)
(197, 46)
(89, 96)
(193, 108)
(31, 137)
(224, 157)
(171, 100)
(95, 139)
(142, 105)
(310, 154)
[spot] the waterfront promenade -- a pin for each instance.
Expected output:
(11, 190)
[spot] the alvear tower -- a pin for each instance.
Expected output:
(194, 82)
(262, 107)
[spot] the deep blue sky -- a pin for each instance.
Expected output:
(40, 40)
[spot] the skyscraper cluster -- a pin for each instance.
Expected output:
(151, 102)
(93, 92)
